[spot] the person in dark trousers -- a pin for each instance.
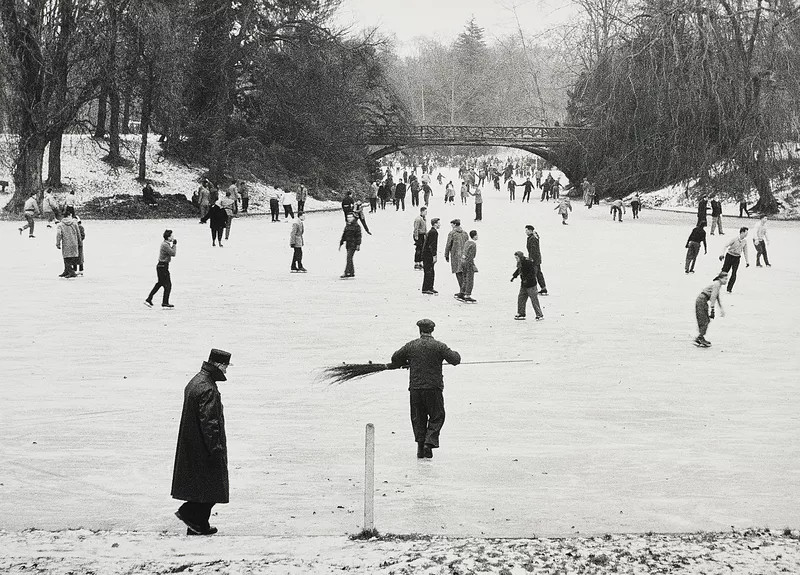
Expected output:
(274, 206)
(468, 267)
(418, 235)
(743, 207)
(415, 187)
(702, 209)
(347, 204)
(512, 189)
(535, 255)
(68, 240)
(218, 219)
(358, 210)
(351, 239)
(716, 216)
(296, 243)
(31, 211)
(708, 297)
(527, 188)
(400, 196)
(636, 206)
(166, 252)
(527, 289)
(82, 233)
(200, 474)
(423, 357)
(697, 237)
(478, 204)
(453, 250)
(733, 255)
(302, 195)
(430, 246)
(760, 242)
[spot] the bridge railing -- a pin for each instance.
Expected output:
(391, 134)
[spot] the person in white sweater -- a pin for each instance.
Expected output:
(287, 199)
(760, 242)
(733, 255)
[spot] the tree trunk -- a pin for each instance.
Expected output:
(113, 91)
(102, 107)
(28, 170)
(54, 162)
(126, 112)
(113, 127)
(144, 127)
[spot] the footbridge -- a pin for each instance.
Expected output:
(539, 140)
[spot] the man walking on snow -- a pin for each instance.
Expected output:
(424, 357)
(453, 250)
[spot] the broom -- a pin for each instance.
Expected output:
(351, 371)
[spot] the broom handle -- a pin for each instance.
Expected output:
(498, 361)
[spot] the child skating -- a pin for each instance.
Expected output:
(704, 307)
(564, 207)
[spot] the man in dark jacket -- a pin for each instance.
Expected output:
(400, 196)
(535, 255)
(424, 357)
(702, 209)
(347, 204)
(716, 216)
(527, 189)
(351, 239)
(527, 289)
(218, 219)
(200, 476)
(697, 237)
(430, 246)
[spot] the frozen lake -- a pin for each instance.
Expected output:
(621, 425)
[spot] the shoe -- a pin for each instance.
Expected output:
(62, 274)
(213, 245)
(543, 292)
(520, 317)
(20, 231)
(420, 450)
(722, 233)
(759, 266)
(167, 306)
(539, 317)
(148, 303)
(220, 244)
(470, 299)
(691, 271)
(458, 295)
(434, 292)
(31, 236)
(49, 226)
(427, 292)
(193, 526)
(700, 341)
(712, 233)
(71, 275)
(209, 531)
(769, 265)
(302, 270)
(428, 451)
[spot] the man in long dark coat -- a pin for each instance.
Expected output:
(430, 245)
(200, 476)
(424, 357)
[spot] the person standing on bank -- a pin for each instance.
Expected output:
(218, 219)
(424, 357)
(351, 239)
(453, 250)
(200, 474)
(527, 289)
(716, 216)
(302, 195)
(708, 297)
(760, 241)
(31, 211)
(296, 243)
(418, 235)
(733, 254)
(697, 237)
(167, 251)
(535, 255)
(68, 240)
(430, 246)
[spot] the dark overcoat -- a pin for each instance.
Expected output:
(201, 458)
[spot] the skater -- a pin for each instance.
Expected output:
(418, 236)
(31, 210)
(617, 209)
(708, 297)
(453, 250)
(68, 240)
(400, 196)
(548, 184)
(430, 246)
(351, 239)
(468, 267)
(204, 198)
(427, 191)
(296, 243)
(527, 188)
(244, 194)
(702, 209)
(478, 204)
(591, 194)
(200, 474)
(347, 204)
(538, 177)
(414, 185)
(535, 256)
(218, 219)
(697, 237)
(555, 189)
(274, 205)
(166, 252)
(82, 233)
(358, 210)
(527, 289)
(287, 199)
(50, 208)
(302, 196)
(424, 357)
(229, 205)
(69, 202)
(716, 216)
(464, 192)
(564, 207)
(373, 198)
(733, 254)
(636, 205)
(760, 241)
(512, 189)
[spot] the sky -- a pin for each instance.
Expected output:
(445, 19)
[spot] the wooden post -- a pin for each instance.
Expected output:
(369, 478)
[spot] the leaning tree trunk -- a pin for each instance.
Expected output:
(102, 108)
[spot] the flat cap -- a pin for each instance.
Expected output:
(426, 325)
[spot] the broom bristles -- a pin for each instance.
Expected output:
(351, 371)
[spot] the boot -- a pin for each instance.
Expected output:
(420, 450)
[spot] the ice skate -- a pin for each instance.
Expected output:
(519, 317)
